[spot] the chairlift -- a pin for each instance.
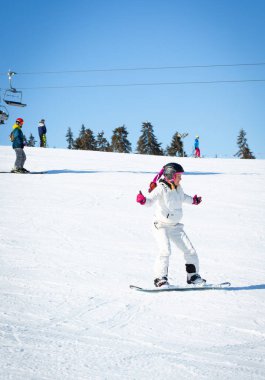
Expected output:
(13, 97)
(4, 115)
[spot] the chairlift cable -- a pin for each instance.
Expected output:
(140, 68)
(145, 84)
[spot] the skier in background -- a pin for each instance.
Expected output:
(197, 152)
(42, 133)
(18, 143)
(168, 196)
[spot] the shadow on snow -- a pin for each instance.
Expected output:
(69, 171)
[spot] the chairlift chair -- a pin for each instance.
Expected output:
(4, 115)
(13, 97)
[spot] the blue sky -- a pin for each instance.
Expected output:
(48, 44)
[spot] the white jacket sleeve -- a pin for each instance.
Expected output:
(154, 195)
(188, 199)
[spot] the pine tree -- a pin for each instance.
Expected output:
(89, 140)
(102, 143)
(85, 140)
(25, 140)
(69, 138)
(82, 131)
(147, 142)
(176, 147)
(119, 141)
(244, 151)
(31, 141)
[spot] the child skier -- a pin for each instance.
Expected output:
(168, 196)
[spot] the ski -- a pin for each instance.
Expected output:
(176, 288)
(37, 173)
(23, 173)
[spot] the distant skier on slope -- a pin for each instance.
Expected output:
(168, 196)
(42, 133)
(18, 142)
(197, 152)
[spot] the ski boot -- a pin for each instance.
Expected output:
(193, 277)
(25, 170)
(161, 282)
(17, 170)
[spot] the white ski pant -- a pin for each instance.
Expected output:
(165, 235)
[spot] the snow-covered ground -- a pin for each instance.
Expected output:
(71, 242)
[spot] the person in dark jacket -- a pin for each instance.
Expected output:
(18, 143)
(42, 133)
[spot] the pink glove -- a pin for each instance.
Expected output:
(140, 198)
(196, 200)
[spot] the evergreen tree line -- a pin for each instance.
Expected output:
(147, 142)
(30, 141)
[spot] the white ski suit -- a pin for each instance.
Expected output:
(167, 226)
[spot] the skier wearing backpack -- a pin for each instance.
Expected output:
(168, 196)
(17, 139)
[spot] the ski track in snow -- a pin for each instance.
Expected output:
(73, 240)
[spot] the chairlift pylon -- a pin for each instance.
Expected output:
(13, 97)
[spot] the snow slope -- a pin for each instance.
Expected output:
(71, 242)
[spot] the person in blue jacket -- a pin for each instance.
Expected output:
(18, 143)
(197, 152)
(42, 133)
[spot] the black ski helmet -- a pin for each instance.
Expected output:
(172, 168)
